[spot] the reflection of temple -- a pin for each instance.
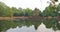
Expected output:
(36, 12)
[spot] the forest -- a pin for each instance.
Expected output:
(6, 11)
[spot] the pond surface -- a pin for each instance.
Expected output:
(41, 28)
(46, 25)
(22, 29)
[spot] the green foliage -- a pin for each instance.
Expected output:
(58, 10)
(28, 12)
(52, 23)
(49, 11)
(7, 11)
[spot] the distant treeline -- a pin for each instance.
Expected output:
(13, 11)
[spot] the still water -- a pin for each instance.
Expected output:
(46, 25)
(41, 28)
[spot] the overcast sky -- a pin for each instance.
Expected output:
(41, 4)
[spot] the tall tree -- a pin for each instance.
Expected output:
(58, 9)
(28, 12)
(3, 7)
(50, 11)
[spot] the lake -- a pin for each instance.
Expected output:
(41, 28)
(47, 25)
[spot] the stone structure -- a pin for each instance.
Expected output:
(36, 12)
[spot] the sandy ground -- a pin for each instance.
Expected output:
(8, 18)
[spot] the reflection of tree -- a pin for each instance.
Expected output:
(52, 23)
(49, 11)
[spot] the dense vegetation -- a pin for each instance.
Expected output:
(13, 11)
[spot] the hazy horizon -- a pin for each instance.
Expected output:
(40, 4)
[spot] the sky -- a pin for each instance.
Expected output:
(40, 4)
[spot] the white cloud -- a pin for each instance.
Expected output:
(41, 4)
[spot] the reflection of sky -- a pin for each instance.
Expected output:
(41, 4)
(22, 29)
(41, 28)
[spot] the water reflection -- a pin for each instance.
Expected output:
(22, 29)
(41, 28)
(52, 24)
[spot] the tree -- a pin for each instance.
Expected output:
(58, 10)
(14, 11)
(20, 11)
(3, 11)
(28, 12)
(49, 11)
(40, 13)
(53, 1)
